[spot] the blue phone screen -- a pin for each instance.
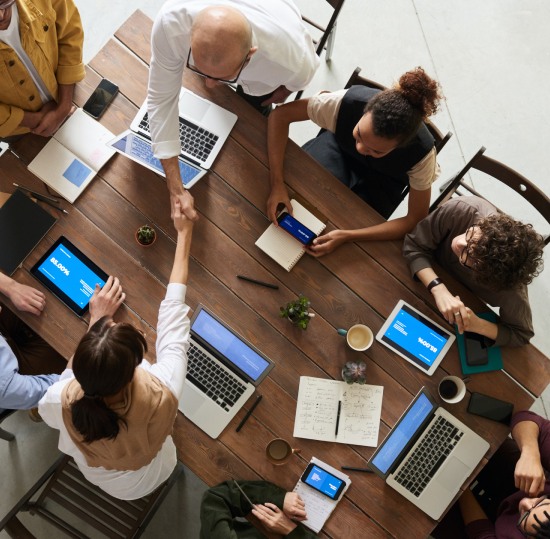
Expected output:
(324, 482)
(296, 229)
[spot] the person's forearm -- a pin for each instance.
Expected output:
(65, 97)
(526, 435)
(180, 269)
(389, 230)
(173, 175)
(5, 283)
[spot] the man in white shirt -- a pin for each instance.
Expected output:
(262, 46)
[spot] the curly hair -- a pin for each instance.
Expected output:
(506, 253)
(398, 112)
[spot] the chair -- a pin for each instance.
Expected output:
(69, 494)
(509, 177)
(5, 435)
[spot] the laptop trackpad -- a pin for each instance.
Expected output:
(453, 474)
(193, 107)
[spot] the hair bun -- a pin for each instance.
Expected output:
(421, 91)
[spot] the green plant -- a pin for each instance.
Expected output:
(354, 372)
(146, 234)
(297, 312)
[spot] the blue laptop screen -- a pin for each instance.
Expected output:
(72, 276)
(415, 336)
(402, 433)
(216, 335)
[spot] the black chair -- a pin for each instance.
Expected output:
(501, 172)
(5, 435)
(69, 501)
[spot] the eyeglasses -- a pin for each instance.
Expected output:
(201, 74)
(466, 252)
(523, 519)
(6, 5)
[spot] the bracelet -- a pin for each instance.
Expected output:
(434, 283)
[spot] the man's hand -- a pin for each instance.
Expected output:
(452, 308)
(186, 204)
(327, 243)
(273, 518)
(177, 192)
(182, 223)
(278, 96)
(26, 298)
(529, 473)
(53, 116)
(106, 300)
(294, 507)
(278, 195)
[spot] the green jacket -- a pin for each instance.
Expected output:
(224, 503)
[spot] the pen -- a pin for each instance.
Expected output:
(46, 199)
(249, 413)
(18, 157)
(261, 283)
(353, 469)
(338, 418)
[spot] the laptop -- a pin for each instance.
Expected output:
(428, 455)
(204, 128)
(223, 370)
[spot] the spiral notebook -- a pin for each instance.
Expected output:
(281, 246)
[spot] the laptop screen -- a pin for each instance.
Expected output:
(411, 421)
(217, 336)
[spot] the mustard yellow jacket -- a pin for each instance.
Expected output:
(52, 36)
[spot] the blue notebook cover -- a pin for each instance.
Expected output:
(495, 357)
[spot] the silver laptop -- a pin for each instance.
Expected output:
(223, 370)
(204, 127)
(428, 455)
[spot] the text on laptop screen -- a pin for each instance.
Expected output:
(414, 336)
(238, 352)
(402, 433)
(64, 269)
(140, 150)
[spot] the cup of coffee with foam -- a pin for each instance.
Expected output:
(278, 451)
(359, 337)
(451, 389)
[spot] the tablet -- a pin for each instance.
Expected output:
(69, 274)
(415, 337)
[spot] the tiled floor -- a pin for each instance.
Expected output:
(491, 59)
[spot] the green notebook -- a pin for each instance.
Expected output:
(495, 357)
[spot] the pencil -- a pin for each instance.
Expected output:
(249, 413)
(353, 469)
(261, 283)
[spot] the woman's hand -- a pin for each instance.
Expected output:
(273, 518)
(106, 300)
(294, 507)
(327, 243)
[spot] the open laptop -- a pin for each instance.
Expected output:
(223, 370)
(204, 128)
(428, 473)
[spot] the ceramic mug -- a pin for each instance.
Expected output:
(359, 337)
(278, 451)
(451, 389)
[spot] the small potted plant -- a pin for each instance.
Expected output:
(355, 372)
(297, 312)
(146, 235)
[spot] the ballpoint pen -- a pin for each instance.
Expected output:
(354, 469)
(51, 201)
(338, 418)
(249, 413)
(261, 283)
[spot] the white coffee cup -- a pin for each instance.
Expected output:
(451, 389)
(359, 337)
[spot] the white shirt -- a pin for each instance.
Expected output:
(285, 57)
(170, 368)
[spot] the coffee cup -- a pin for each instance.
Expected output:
(359, 337)
(451, 389)
(278, 451)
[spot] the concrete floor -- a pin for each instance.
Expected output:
(491, 60)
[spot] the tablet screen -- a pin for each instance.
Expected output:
(69, 274)
(415, 337)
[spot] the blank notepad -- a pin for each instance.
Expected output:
(281, 246)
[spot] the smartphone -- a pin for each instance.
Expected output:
(100, 99)
(295, 228)
(476, 349)
(491, 408)
(323, 481)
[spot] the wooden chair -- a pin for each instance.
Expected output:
(5, 435)
(509, 177)
(69, 502)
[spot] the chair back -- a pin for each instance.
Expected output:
(503, 173)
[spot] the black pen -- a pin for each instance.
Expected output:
(338, 418)
(261, 283)
(353, 469)
(44, 198)
(249, 413)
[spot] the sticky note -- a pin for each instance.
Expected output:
(77, 172)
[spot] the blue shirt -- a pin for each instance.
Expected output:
(18, 391)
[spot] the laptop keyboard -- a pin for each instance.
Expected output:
(214, 381)
(428, 456)
(195, 140)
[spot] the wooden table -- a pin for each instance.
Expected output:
(357, 283)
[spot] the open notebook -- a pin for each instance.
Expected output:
(281, 246)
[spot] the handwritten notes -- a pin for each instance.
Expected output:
(317, 411)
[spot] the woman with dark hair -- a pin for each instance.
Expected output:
(375, 142)
(114, 410)
(494, 255)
